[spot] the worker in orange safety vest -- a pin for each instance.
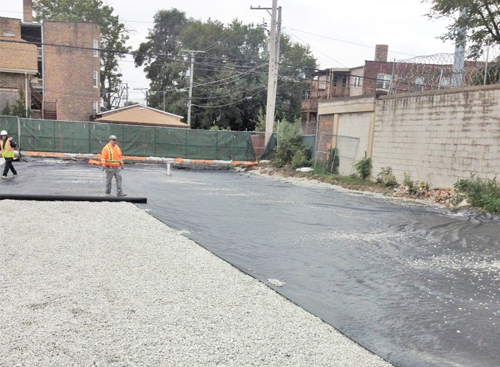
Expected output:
(112, 163)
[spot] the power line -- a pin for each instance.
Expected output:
(344, 41)
(230, 94)
(232, 103)
(321, 52)
(228, 78)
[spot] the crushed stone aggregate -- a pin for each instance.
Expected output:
(106, 284)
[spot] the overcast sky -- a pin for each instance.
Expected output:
(340, 33)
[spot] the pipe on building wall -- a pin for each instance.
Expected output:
(26, 101)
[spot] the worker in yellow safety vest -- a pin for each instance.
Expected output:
(112, 163)
(7, 146)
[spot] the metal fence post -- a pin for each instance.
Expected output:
(90, 137)
(19, 131)
(154, 141)
(217, 145)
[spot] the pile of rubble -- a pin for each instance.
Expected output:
(440, 196)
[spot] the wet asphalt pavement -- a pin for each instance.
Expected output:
(417, 285)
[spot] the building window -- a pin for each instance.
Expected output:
(419, 84)
(8, 34)
(384, 81)
(96, 79)
(95, 106)
(95, 46)
(356, 81)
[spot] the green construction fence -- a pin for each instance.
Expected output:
(143, 141)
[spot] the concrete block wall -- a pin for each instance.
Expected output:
(351, 119)
(353, 125)
(439, 137)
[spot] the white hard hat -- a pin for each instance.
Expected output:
(3, 132)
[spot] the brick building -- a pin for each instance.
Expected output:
(377, 77)
(60, 68)
(18, 64)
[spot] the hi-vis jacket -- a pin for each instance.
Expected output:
(7, 148)
(111, 156)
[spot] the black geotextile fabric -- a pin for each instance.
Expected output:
(417, 285)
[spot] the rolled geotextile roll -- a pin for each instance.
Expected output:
(135, 200)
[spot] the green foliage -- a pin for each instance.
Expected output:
(386, 177)
(412, 187)
(114, 35)
(289, 144)
(481, 20)
(301, 158)
(18, 108)
(260, 121)
(230, 76)
(482, 193)
(6, 110)
(217, 128)
(363, 167)
(330, 165)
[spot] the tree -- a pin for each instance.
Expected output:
(230, 74)
(163, 64)
(296, 66)
(113, 36)
(18, 108)
(481, 19)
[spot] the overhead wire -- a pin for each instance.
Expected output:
(232, 103)
(321, 52)
(344, 41)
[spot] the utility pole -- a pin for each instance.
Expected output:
(459, 59)
(145, 91)
(191, 79)
(277, 59)
(273, 69)
(126, 93)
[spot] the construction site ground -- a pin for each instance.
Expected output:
(417, 285)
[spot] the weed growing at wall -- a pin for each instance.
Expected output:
(412, 187)
(363, 167)
(386, 177)
(482, 193)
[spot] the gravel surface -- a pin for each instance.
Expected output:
(76, 289)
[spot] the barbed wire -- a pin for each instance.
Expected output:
(439, 71)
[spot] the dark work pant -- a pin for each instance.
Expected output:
(9, 166)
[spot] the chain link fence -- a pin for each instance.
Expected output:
(336, 153)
